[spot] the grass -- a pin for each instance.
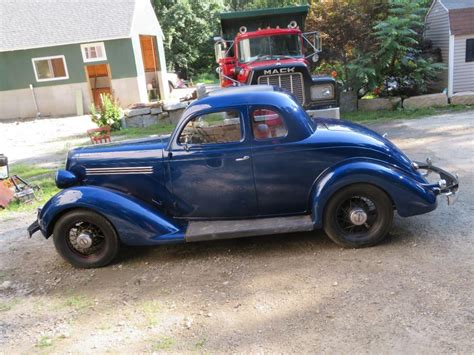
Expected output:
(143, 132)
(78, 302)
(150, 311)
(44, 342)
(206, 78)
(28, 171)
(163, 344)
(380, 116)
(6, 306)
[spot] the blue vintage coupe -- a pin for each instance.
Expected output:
(241, 162)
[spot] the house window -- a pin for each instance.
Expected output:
(470, 50)
(50, 68)
(93, 52)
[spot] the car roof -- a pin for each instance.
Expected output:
(242, 95)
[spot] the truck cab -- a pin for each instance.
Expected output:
(269, 47)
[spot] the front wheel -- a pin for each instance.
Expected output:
(85, 239)
(357, 216)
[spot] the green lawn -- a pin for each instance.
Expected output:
(143, 132)
(380, 116)
(35, 175)
(206, 78)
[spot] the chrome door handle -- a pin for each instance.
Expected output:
(245, 157)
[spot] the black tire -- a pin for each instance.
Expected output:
(341, 228)
(101, 233)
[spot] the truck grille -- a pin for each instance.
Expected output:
(292, 82)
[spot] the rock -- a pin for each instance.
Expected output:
(171, 106)
(137, 111)
(175, 116)
(424, 101)
(6, 285)
(348, 101)
(375, 104)
(134, 122)
(335, 283)
(396, 102)
(201, 90)
(149, 120)
(463, 98)
(156, 110)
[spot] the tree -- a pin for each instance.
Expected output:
(188, 27)
(399, 58)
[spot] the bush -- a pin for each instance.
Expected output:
(108, 113)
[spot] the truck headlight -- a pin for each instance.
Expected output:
(322, 92)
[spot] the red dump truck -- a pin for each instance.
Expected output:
(269, 46)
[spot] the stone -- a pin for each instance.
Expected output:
(175, 116)
(149, 120)
(396, 102)
(375, 104)
(137, 111)
(463, 98)
(424, 101)
(200, 90)
(348, 101)
(156, 110)
(171, 106)
(134, 122)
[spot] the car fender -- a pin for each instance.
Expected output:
(136, 222)
(407, 191)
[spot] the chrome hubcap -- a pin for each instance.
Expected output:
(84, 240)
(358, 216)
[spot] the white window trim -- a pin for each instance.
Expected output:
(95, 44)
(46, 58)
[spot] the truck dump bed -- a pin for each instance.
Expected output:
(254, 19)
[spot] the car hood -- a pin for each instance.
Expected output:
(345, 133)
(116, 153)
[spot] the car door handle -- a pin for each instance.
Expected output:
(245, 157)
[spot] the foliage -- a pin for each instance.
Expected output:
(188, 27)
(108, 113)
(398, 59)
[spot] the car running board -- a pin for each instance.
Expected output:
(227, 229)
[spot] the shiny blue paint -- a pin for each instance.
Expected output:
(136, 222)
(168, 185)
(65, 179)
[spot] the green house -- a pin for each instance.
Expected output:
(57, 57)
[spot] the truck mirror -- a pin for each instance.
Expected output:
(220, 49)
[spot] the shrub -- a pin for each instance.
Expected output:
(108, 113)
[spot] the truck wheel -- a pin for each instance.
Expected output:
(85, 239)
(357, 216)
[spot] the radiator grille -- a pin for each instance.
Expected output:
(292, 82)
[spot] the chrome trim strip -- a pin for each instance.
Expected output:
(125, 170)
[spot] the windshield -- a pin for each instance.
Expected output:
(271, 47)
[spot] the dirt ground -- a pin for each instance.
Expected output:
(295, 293)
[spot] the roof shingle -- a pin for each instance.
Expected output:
(41, 23)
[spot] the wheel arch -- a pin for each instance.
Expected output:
(408, 196)
(135, 222)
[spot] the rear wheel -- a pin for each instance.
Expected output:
(357, 216)
(85, 239)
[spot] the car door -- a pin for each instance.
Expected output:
(210, 167)
(281, 164)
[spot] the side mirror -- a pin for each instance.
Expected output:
(220, 48)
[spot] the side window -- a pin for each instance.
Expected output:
(216, 127)
(267, 124)
(470, 50)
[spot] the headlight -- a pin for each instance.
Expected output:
(322, 92)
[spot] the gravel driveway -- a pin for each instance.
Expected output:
(294, 293)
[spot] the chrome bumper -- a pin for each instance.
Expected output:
(324, 113)
(448, 185)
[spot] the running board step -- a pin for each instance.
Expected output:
(227, 229)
